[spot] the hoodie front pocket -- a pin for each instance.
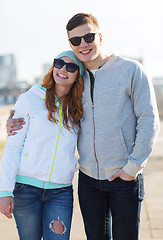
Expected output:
(122, 140)
(114, 148)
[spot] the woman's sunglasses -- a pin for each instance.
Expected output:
(88, 38)
(70, 67)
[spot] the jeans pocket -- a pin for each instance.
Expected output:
(141, 191)
(126, 181)
(68, 189)
(18, 187)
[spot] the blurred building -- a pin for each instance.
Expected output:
(45, 69)
(158, 85)
(10, 88)
(158, 81)
(8, 75)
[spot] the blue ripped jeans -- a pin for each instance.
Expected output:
(37, 209)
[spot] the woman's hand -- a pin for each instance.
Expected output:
(7, 206)
(13, 125)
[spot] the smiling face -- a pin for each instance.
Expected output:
(89, 53)
(64, 79)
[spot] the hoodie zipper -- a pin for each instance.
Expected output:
(94, 145)
(94, 142)
(60, 123)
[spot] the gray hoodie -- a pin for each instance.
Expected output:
(121, 124)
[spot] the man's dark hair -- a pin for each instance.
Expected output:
(81, 19)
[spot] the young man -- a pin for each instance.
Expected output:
(117, 135)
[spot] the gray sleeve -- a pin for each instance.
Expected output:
(148, 124)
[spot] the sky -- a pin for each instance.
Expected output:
(34, 31)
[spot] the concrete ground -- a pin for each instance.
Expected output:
(151, 226)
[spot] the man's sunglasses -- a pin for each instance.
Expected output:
(88, 38)
(70, 67)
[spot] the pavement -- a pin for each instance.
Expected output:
(151, 226)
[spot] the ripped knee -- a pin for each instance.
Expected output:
(57, 226)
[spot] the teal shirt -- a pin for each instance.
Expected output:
(33, 182)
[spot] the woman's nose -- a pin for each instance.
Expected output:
(64, 68)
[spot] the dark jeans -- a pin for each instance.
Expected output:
(121, 198)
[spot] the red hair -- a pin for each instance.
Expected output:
(71, 103)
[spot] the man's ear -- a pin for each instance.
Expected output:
(68, 39)
(69, 44)
(100, 38)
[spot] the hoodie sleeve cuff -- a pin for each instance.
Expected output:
(6, 194)
(132, 169)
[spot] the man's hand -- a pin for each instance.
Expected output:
(123, 175)
(7, 206)
(13, 125)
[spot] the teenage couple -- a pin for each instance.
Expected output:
(114, 119)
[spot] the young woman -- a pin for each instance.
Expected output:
(39, 162)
